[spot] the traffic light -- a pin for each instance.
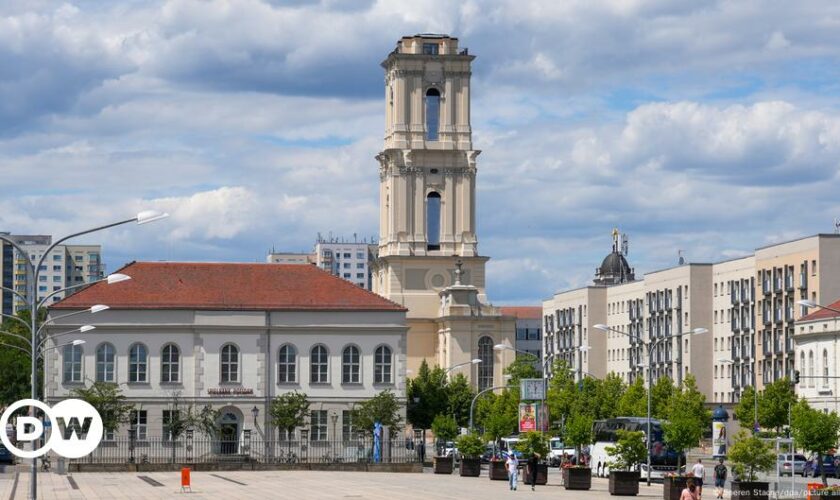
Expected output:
(795, 376)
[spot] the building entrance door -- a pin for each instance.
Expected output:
(228, 434)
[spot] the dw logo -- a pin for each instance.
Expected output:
(77, 428)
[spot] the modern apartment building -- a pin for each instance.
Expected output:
(65, 266)
(746, 304)
(290, 258)
(528, 330)
(350, 260)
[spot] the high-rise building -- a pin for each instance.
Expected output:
(350, 260)
(65, 266)
(428, 256)
(748, 306)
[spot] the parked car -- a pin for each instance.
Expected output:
(792, 464)
(812, 469)
(451, 450)
(557, 450)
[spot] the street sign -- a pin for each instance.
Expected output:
(532, 389)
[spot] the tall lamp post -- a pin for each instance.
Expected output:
(460, 365)
(33, 305)
(650, 346)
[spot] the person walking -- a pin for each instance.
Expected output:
(720, 478)
(699, 475)
(533, 460)
(512, 466)
(690, 491)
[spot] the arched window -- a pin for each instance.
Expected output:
(72, 363)
(433, 220)
(810, 368)
(802, 364)
(138, 362)
(825, 367)
(105, 363)
(170, 364)
(318, 364)
(432, 114)
(350, 365)
(230, 363)
(485, 368)
(287, 365)
(382, 363)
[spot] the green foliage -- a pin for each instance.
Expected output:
(521, 367)
(108, 400)
(288, 411)
(687, 417)
(445, 427)
(814, 430)
(470, 445)
(745, 409)
(578, 430)
(660, 395)
(503, 417)
(427, 396)
(383, 408)
(773, 404)
(15, 365)
(531, 443)
(633, 402)
(205, 420)
(749, 456)
(609, 394)
(562, 391)
(629, 451)
(459, 397)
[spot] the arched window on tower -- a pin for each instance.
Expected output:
(433, 220)
(432, 114)
(485, 368)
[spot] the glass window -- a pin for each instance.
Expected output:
(168, 417)
(318, 425)
(347, 255)
(521, 333)
(485, 368)
(42, 278)
(350, 365)
(431, 49)
(346, 265)
(287, 365)
(57, 257)
(432, 114)
(347, 425)
(72, 363)
(56, 278)
(318, 365)
(360, 255)
(139, 419)
(78, 258)
(360, 265)
(43, 288)
(170, 364)
(347, 275)
(57, 269)
(230, 363)
(138, 360)
(433, 220)
(382, 365)
(360, 275)
(105, 363)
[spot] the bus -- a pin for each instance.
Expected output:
(662, 458)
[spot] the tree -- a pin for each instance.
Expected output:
(660, 394)
(774, 402)
(427, 396)
(814, 430)
(288, 411)
(470, 445)
(562, 391)
(521, 367)
(445, 429)
(459, 397)
(502, 416)
(184, 417)
(633, 402)
(745, 409)
(534, 442)
(383, 408)
(749, 456)
(578, 431)
(687, 417)
(629, 451)
(109, 401)
(15, 371)
(609, 395)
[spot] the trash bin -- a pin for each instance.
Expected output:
(61, 466)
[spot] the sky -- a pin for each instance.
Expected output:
(707, 127)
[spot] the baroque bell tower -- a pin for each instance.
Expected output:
(427, 175)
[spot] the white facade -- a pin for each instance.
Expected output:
(348, 260)
(817, 360)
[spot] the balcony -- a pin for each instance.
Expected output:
(789, 344)
(747, 294)
(734, 325)
(778, 315)
(767, 317)
(736, 352)
(733, 298)
(777, 346)
(767, 349)
(777, 284)
(766, 286)
(789, 282)
(735, 381)
(789, 313)
(803, 281)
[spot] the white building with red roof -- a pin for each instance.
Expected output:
(232, 336)
(817, 341)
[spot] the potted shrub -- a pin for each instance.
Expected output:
(629, 451)
(470, 446)
(673, 484)
(445, 429)
(749, 456)
(531, 443)
(578, 432)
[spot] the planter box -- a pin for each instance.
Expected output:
(542, 474)
(577, 478)
(672, 487)
(750, 490)
(497, 471)
(470, 467)
(624, 483)
(443, 465)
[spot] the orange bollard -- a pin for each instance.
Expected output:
(185, 479)
(813, 487)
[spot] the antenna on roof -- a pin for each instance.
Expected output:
(625, 245)
(836, 225)
(682, 259)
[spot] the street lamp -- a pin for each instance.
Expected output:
(472, 404)
(459, 365)
(33, 304)
(650, 346)
(256, 413)
(811, 304)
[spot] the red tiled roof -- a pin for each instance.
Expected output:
(821, 313)
(228, 286)
(523, 312)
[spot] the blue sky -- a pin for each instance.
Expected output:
(703, 126)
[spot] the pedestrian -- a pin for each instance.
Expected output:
(533, 460)
(512, 466)
(699, 475)
(720, 478)
(690, 491)
(563, 462)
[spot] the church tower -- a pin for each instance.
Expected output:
(427, 175)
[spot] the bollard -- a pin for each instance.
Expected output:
(185, 479)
